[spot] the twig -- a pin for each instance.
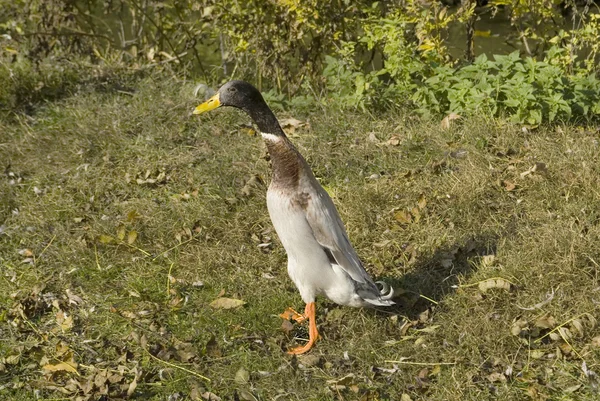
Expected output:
(44, 250)
(422, 363)
(560, 325)
(169, 279)
(173, 247)
(97, 261)
(76, 33)
(429, 299)
(178, 367)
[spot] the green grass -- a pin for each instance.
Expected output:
(76, 180)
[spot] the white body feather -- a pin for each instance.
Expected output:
(321, 260)
(308, 265)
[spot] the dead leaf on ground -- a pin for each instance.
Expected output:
(343, 382)
(132, 236)
(518, 326)
(539, 168)
(64, 321)
(545, 322)
(242, 376)
(499, 283)
(28, 253)
(287, 326)
(496, 377)
(488, 260)
(210, 396)
(67, 366)
(291, 125)
(509, 186)
(227, 303)
(393, 141)
(446, 121)
(403, 217)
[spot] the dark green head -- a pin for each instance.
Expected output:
(244, 96)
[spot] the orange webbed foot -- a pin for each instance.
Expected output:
(313, 334)
(291, 314)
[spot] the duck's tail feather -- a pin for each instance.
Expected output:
(385, 295)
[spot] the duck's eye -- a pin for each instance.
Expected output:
(231, 90)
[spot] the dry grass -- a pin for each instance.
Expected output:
(83, 173)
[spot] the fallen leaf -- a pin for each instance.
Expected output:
(373, 138)
(487, 260)
(64, 321)
(309, 360)
(26, 252)
(518, 326)
(132, 387)
(105, 239)
(496, 377)
(403, 216)
(537, 354)
(494, 283)
(227, 303)
(132, 215)
(212, 348)
(291, 125)
(186, 352)
(287, 326)
(422, 202)
(343, 381)
(62, 367)
(210, 396)
(393, 141)
(121, 233)
(509, 186)
(242, 376)
(545, 322)
(445, 124)
(131, 237)
(572, 389)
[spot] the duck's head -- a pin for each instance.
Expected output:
(239, 94)
(246, 97)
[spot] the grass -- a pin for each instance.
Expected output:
(123, 217)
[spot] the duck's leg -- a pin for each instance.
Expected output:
(313, 334)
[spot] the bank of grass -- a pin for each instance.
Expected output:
(123, 217)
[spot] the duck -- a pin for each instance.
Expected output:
(321, 261)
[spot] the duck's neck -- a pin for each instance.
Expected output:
(286, 161)
(265, 120)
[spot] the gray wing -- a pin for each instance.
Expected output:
(329, 231)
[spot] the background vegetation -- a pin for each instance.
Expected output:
(137, 259)
(354, 54)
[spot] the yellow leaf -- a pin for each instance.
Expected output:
(227, 303)
(64, 321)
(105, 239)
(131, 237)
(426, 47)
(482, 34)
(131, 216)
(445, 124)
(422, 202)
(121, 233)
(403, 216)
(62, 367)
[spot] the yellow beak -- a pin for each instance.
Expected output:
(209, 105)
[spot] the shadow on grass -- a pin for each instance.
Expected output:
(433, 277)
